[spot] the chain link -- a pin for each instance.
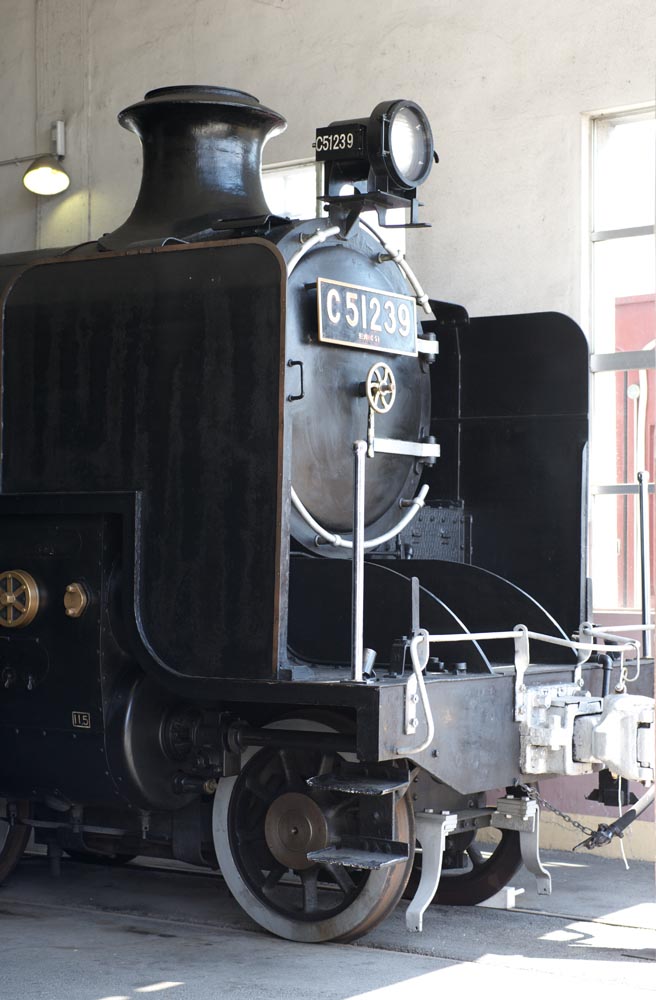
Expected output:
(533, 794)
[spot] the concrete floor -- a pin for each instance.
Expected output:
(123, 934)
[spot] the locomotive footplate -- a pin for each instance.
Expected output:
(463, 754)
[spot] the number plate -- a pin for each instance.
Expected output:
(369, 318)
(340, 142)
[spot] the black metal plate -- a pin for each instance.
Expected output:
(343, 141)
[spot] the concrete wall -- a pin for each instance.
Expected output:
(17, 121)
(505, 83)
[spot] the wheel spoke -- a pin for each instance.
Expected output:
(274, 876)
(309, 880)
(255, 788)
(290, 770)
(327, 763)
(341, 876)
(253, 836)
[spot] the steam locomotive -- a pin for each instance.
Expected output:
(293, 552)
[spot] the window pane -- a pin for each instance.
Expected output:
(615, 555)
(291, 191)
(623, 417)
(623, 272)
(624, 173)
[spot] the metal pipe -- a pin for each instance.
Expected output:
(320, 236)
(329, 538)
(404, 267)
(357, 579)
(645, 575)
(606, 664)
(605, 833)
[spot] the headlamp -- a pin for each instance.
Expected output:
(400, 142)
(384, 157)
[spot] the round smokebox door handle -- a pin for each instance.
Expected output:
(381, 387)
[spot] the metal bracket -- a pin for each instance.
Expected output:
(521, 666)
(416, 449)
(523, 815)
(411, 701)
(432, 829)
(411, 696)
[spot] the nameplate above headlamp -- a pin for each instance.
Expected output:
(341, 141)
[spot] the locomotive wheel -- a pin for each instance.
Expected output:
(480, 870)
(13, 841)
(267, 819)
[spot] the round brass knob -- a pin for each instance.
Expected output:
(381, 387)
(75, 600)
(19, 598)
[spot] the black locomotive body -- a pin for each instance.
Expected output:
(181, 672)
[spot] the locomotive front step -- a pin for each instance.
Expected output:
(369, 854)
(356, 786)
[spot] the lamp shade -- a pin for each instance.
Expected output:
(46, 176)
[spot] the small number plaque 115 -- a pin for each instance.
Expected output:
(369, 318)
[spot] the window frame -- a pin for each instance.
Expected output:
(617, 361)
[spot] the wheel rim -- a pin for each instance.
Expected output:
(255, 815)
(13, 841)
(490, 868)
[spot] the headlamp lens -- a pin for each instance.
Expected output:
(410, 144)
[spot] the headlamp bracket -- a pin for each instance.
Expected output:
(344, 210)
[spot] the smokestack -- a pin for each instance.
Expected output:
(202, 154)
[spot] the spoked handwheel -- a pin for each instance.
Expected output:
(475, 870)
(266, 821)
(13, 841)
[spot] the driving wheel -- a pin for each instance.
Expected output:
(13, 841)
(266, 821)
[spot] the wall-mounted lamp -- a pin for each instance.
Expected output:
(45, 174)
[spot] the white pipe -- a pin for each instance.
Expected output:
(397, 257)
(320, 236)
(337, 541)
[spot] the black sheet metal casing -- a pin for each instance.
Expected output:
(142, 453)
(510, 410)
(144, 374)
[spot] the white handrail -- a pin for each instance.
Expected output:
(332, 538)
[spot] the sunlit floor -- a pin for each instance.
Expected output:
(143, 932)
